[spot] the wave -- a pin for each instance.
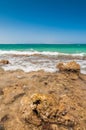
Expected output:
(30, 52)
(33, 52)
(81, 56)
(32, 60)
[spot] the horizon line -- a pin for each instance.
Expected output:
(42, 43)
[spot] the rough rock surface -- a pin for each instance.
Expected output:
(42, 100)
(44, 110)
(4, 61)
(70, 66)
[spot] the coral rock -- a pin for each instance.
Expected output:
(70, 66)
(4, 62)
(45, 111)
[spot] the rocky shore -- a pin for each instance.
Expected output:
(43, 100)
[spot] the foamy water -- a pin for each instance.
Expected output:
(34, 60)
(33, 52)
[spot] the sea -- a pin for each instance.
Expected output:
(34, 57)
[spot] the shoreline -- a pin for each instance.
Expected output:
(38, 62)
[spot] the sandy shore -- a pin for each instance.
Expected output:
(23, 97)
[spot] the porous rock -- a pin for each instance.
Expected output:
(45, 110)
(4, 61)
(70, 66)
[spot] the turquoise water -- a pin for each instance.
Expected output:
(64, 48)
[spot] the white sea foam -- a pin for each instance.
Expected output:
(35, 63)
(32, 52)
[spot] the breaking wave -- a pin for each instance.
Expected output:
(33, 52)
(32, 60)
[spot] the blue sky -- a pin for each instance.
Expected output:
(42, 21)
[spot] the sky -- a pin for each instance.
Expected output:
(42, 21)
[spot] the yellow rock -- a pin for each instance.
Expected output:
(70, 66)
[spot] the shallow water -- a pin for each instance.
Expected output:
(34, 57)
(34, 61)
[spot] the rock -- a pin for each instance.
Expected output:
(4, 62)
(27, 113)
(70, 66)
(44, 105)
(45, 111)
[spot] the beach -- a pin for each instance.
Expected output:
(64, 92)
(42, 90)
(42, 65)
